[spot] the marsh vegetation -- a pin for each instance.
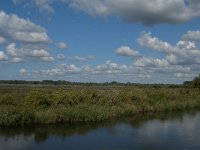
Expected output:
(22, 105)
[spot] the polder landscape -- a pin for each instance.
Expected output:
(99, 74)
(50, 102)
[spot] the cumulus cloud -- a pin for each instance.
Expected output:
(148, 13)
(70, 68)
(111, 68)
(23, 71)
(60, 57)
(17, 60)
(127, 51)
(24, 39)
(151, 62)
(3, 56)
(186, 44)
(146, 40)
(48, 59)
(13, 28)
(60, 70)
(45, 5)
(102, 69)
(181, 59)
(184, 75)
(11, 50)
(62, 45)
(2, 40)
(51, 72)
(28, 52)
(192, 36)
(158, 11)
(184, 52)
(36, 53)
(83, 59)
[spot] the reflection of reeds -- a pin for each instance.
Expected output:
(43, 132)
(53, 105)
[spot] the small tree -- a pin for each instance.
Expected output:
(196, 82)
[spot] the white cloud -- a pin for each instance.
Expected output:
(157, 11)
(111, 68)
(184, 75)
(62, 45)
(32, 38)
(48, 59)
(17, 60)
(184, 52)
(151, 62)
(70, 68)
(51, 72)
(3, 56)
(192, 36)
(23, 71)
(45, 5)
(11, 50)
(13, 28)
(2, 40)
(26, 53)
(87, 70)
(186, 44)
(107, 68)
(37, 53)
(147, 69)
(127, 51)
(60, 70)
(153, 43)
(60, 57)
(83, 59)
(181, 60)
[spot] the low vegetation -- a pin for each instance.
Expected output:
(41, 102)
(23, 105)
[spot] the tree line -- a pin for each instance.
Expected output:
(194, 83)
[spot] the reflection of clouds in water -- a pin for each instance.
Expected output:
(179, 132)
(17, 142)
(121, 129)
(185, 132)
(147, 133)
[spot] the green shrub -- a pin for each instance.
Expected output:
(51, 105)
(7, 99)
(37, 99)
(69, 97)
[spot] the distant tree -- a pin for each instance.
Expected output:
(196, 82)
(187, 83)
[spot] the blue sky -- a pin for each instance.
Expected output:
(100, 41)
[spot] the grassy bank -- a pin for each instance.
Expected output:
(32, 105)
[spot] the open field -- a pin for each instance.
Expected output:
(27, 104)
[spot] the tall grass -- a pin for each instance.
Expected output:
(46, 106)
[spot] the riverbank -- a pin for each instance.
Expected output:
(36, 105)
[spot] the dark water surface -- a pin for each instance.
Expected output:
(165, 131)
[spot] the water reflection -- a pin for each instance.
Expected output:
(172, 130)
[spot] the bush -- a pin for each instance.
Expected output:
(36, 99)
(7, 99)
(69, 97)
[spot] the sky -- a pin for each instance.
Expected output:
(139, 41)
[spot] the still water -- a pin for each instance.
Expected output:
(174, 131)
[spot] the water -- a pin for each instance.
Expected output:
(174, 130)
